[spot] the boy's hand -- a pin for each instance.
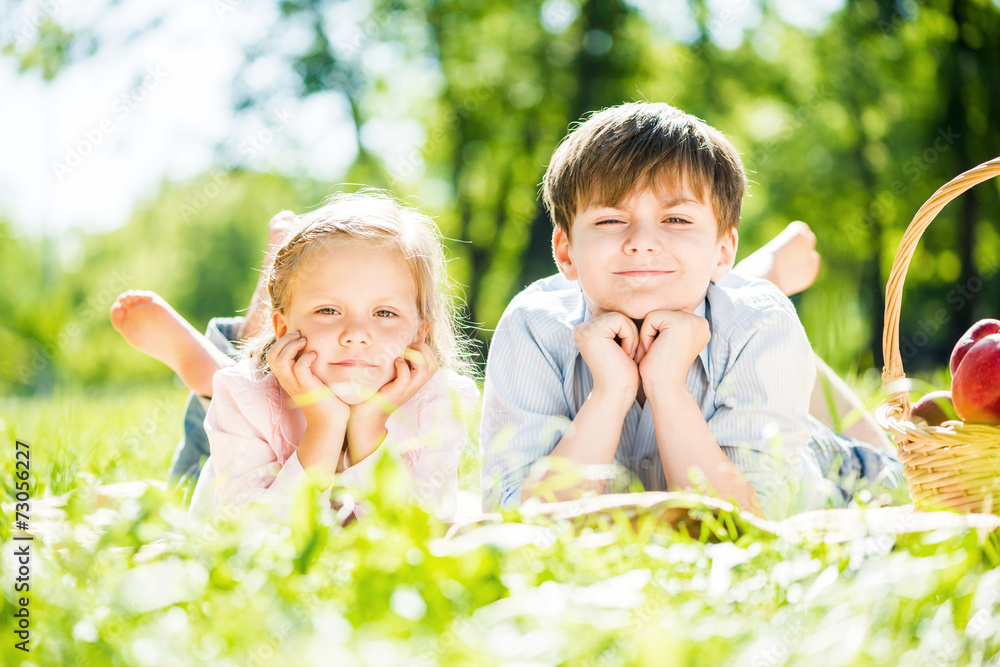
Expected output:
(611, 362)
(669, 342)
(292, 367)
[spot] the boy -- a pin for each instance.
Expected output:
(151, 325)
(645, 350)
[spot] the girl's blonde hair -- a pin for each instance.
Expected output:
(376, 218)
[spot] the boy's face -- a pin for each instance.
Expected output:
(657, 250)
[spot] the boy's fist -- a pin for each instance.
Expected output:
(608, 342)
(669, 342)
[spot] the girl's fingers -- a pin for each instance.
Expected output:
(396, 389)
(292, 352)
(425, 350)
(281, 359)
(414, 357)
(291, 340)
(403, 372)
(302, 370)
(428, 365)
(412, 372)
(421, 357)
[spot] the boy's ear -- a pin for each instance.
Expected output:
(727, 254)
(562, 254)
(279, 324)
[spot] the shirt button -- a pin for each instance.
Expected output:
(646, 463)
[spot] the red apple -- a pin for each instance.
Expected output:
(978, 330)
(975, 384)
(934, 408)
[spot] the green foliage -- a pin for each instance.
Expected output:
(849, 124)
(28, 329)
(200, 245)
(136, 580)
(48, 47)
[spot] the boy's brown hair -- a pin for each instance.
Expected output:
(604, 159)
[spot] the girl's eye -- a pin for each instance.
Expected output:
(384, 313)
(327, 311)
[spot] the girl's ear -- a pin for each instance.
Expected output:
(422, 332)
(563, 255)
(727, 254)
(279, 324)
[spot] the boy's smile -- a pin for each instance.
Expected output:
(657, 250)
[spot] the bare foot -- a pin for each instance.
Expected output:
(150, 325)
(789, 260)
(280, 228)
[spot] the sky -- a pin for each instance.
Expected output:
(82, 150)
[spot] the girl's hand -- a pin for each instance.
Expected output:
(366, 426)
(293, 369)
(413, 370)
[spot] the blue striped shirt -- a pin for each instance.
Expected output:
(753, 382)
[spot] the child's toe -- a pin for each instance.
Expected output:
(133, 298)
(118, 312)
(281, 220)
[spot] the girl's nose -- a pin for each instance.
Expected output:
(355, 333)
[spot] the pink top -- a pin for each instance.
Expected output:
(254, 429)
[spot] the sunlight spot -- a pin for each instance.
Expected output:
(407, 603)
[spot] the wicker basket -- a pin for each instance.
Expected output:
(953, 466)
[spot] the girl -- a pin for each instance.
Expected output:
(359, 358)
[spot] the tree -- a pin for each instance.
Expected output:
(849, 124)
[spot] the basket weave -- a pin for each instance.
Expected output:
(953, 466)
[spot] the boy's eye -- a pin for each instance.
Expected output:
(327, 311)
(609, 221)
(675, 219)
(384, 313)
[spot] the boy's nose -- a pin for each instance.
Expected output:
(641, 240)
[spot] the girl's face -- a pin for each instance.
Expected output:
(356, 306)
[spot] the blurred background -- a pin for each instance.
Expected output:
(146, 145)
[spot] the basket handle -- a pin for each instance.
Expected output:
(893, 369)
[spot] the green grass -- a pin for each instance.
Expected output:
(155, 587)
(107, 435)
